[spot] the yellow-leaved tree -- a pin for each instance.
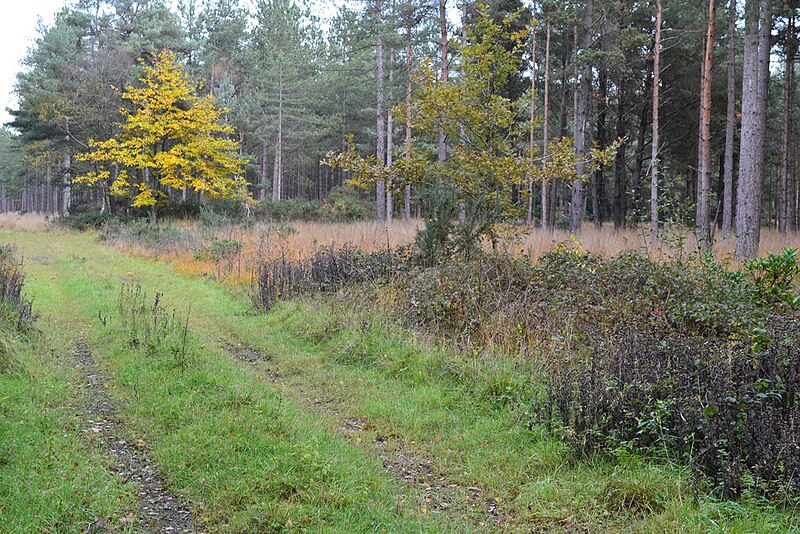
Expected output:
(171, 139)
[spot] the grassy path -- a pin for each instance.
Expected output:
(246, 458)
(338, 427)
(159, 510)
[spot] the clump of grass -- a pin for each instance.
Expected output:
(151, 326)
(16, 311)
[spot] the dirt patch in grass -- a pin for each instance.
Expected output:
(159, 509)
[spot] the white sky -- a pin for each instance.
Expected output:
(18, 23)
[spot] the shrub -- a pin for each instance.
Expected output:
(155, 237)
(88, 220)
(729, 410)
(774, 275)
(343, 204)
(220, 250)
(16, 311)
(690, 360)
(327, 271)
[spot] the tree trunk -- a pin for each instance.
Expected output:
(407, 190)
(532, 125)
(582, 103)
(755, 76)
(277, 178)
(546, 128)
(562, 130)
(380, 126)
(785, 195)
(390, 145)
(263, 172)
(703, 214)
(730, 125)
(598, 175)
(619, 160)
(443, 45)
(67, 191)
(655, 144)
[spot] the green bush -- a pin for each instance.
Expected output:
(88, 220)
(691, 360)
(343, 204)
(16, 311)
(219, 250)
(154, 237)
(774, 276)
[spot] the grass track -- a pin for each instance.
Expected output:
(213, 425)
(51, 479)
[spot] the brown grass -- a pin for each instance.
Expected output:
(609, 242)
(29, 221)
(298, 240)
(294, 241)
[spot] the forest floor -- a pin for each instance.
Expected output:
(284, 422)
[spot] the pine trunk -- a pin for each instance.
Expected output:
(619, 160)
(785, 194)
(277, 177)
(755, 76)
(67, 191)
(443, 45)
(390, 144)
(407, 190)
(730, 125)
(380, 125)
(532, 125)
(263, 172)
(598, 175)
(546, 128)
(655, 144)
(703, 214)
(582, 103)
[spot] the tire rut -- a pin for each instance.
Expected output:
(159, 510)
(438, 492)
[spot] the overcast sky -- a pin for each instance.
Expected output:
(18, 23)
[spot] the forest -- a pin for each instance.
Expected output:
(662, 92)
(402, 266)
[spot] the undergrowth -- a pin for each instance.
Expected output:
(691, 360)
(16, 311)
(325, 272)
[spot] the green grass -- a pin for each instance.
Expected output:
(51, 480)
(247, 458)
(253, 454)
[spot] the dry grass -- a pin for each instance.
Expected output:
(264, 241)
(609, 242)
(29, 221)
(298, 240)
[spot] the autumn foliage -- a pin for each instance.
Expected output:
(172, 139)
